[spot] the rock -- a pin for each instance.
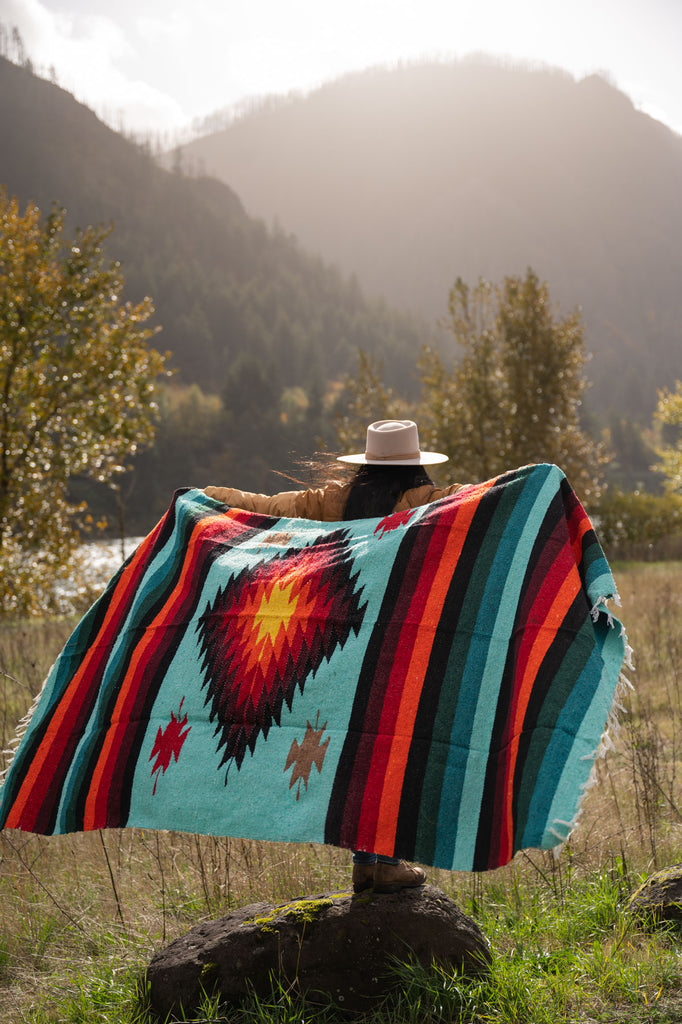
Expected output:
(659, 898)
(336, 945)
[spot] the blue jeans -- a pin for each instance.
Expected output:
(360, 857)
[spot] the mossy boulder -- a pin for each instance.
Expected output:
(336, 946)
(659, 898)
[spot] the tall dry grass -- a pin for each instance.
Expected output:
(636, 805)
(74, 906)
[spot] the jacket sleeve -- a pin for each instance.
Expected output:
(445, 492)
(424, 495)
(324, 503)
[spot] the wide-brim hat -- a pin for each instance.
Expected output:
(393, 443)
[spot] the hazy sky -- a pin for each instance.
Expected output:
(158, 64)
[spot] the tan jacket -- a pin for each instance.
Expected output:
(322, 503)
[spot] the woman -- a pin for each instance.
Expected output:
(390, 478)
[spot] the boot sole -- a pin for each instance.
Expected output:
(387, 889)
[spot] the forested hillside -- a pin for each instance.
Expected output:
(413, 176)
(248, 316)
(223, 283)
(408, 178)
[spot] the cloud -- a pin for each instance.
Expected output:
(93, 57)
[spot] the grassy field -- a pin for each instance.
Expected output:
(82, 915)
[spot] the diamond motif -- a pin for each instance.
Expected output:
(268, 630)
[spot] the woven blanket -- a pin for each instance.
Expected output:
(434, 684)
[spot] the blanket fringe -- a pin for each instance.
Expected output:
(601, 606)
(20, 731)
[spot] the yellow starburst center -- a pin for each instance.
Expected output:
(274, 612)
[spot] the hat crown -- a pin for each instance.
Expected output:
(388, 440)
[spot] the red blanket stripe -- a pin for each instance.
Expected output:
(61, 738)
(102, 804)
(383, 788)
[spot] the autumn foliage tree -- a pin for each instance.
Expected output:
(668, 419)
(366, 398)
(76, 390)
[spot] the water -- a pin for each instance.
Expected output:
(94, 565)
(103, 557)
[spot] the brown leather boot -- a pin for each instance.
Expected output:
(394, 877)
(363, 877)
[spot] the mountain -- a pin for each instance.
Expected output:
(412, 176)
(225, 286)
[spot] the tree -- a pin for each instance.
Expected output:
(76, 390)
(668, 418)
(366, 398)
(514, 396)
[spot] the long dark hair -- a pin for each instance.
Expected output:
(375, 490)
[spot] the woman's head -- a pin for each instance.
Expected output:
(391, 464)
(375, 490)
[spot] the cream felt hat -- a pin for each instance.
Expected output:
(394, 443)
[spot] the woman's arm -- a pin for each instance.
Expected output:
(324, 503)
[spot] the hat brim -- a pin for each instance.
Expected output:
(425, 459)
